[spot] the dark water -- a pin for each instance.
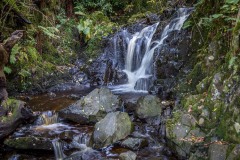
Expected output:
(54, 101)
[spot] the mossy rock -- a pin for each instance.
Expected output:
(203, 85)
(181, 130)
(16, 113)
(35, 143)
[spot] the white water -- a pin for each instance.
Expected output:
(48, 117)
(140, 52)
(58, 150)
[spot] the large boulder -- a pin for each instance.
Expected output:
(148, 107)
(36, 143)
(14, 113)
(115, 126)
(93, 107)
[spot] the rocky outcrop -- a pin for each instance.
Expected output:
(115, 126)
(93, 107)
(182, 131)
(14, 113)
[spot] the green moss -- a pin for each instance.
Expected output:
(12, 106)
(203, 85)
(171, 123)
(138, 16)
(196, 75)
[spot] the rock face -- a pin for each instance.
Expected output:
(93, 107)
(15, 113)
(37, 143)
(183, 133)
(148, 106)
(113, 127)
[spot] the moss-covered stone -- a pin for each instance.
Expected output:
(37, 143)
(203, 85)
(183, 132)
(16, 113)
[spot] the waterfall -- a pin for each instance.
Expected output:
(49, 117)
(140, 53)
(58, 149)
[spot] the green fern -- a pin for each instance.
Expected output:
(14, 52)
(12, 3)
(50, 31)
(7, 70)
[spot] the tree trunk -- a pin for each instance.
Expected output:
(39, 40)
(69, 8)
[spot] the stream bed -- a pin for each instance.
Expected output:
(54, 131)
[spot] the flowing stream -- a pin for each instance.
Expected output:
(140, 53)
(135, 56)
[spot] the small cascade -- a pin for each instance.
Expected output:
(140, 53)
(82, 138)
(49, 117)
(58, 149)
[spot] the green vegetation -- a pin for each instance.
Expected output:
(58, 31)
(211, 86)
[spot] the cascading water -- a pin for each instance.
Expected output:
(140, 52)
(58, 149)
(49, 117)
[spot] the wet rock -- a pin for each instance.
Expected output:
(148, 106)
(115, 126)
(93, 107)
(36, 143)
(68, 87)
(152, 18)
(217, 151)
(86, 154)
(134, 143)
(129, 155)
(81, 78)
(74, 97)
(154, 121)
(15, 113)
(130, 101)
